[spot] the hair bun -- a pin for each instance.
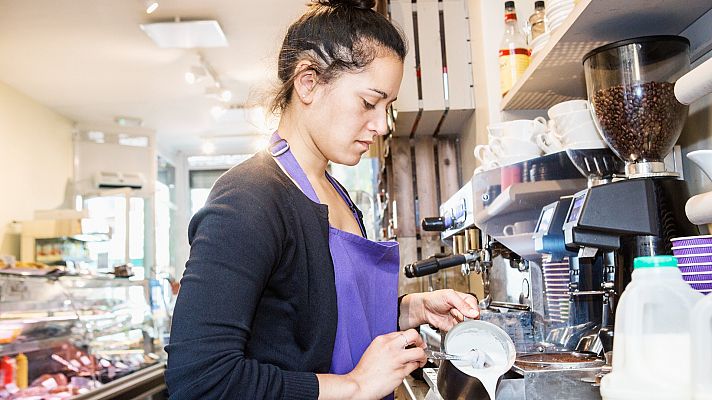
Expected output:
(359, 4)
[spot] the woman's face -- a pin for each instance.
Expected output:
(347, 114)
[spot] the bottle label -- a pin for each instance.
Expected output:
(511, 66)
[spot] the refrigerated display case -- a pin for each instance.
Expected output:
(85, 337)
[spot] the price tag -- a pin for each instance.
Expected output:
(12, 388)
(50, 383)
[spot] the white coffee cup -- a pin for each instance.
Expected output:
(524, 129)
(519, 228)
(549, 142)
(593, 144)
(508, 146)
(585, 132)
(566, 107)
(565, 122)
(484, 154)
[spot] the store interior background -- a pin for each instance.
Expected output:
(72, 63)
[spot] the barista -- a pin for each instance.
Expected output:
(283, 295)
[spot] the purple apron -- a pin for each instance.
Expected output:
(365, 273)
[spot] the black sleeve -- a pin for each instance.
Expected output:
(235, 242)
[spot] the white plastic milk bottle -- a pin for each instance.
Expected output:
(701, 326)
(651, 346)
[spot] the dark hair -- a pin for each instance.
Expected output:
(335, 36)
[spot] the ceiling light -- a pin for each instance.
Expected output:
(186, 34)
(226, 95)
(217, 112)
(208, 147)
(195, 74)
(128, 121)
(151, 6)
(219, 93)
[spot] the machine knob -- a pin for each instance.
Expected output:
(436, 224)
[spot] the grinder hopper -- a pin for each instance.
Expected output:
(630, 86)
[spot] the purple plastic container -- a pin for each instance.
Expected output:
(692, 240)
(691, 251)
(702, 286)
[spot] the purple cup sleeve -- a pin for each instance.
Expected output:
(692, 251)
(692, 240)
(697, 277)
(702, 286)
(694, 260)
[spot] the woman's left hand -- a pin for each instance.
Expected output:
(441, 308)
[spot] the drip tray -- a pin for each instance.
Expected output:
(557, 361)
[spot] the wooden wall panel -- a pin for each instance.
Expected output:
(403, 186)
(423, 168)
(448, 167)
(426, 182)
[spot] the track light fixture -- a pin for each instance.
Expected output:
(195, 74)
(151, 6)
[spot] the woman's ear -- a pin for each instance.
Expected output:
(305, 82)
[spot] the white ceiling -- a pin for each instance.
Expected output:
(90, 61)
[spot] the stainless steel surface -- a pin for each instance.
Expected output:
(477, 358)
(138, 385)
(566, 384)
(649, 169)
(542, 180)
(459, 208)
(558, 384)
(598, 166)
(431, 337)
(455, 384)
(439, 355)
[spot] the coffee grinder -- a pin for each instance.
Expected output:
(588, 301)
(630, 87)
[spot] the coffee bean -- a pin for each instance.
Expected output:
(642, 121)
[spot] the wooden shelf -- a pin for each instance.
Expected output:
(555, 74)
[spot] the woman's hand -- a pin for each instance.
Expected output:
(441, 308)
(385, 363)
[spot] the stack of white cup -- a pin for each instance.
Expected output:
(510, 142)
(570, 127)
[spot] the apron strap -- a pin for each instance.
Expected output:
(279, 149)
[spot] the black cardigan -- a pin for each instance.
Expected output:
(256, 313)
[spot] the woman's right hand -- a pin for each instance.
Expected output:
(387, 362)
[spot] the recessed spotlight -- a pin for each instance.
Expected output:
(195, 75)
(208, 147)
(128, 121)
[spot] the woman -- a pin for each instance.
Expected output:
(283, 296)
